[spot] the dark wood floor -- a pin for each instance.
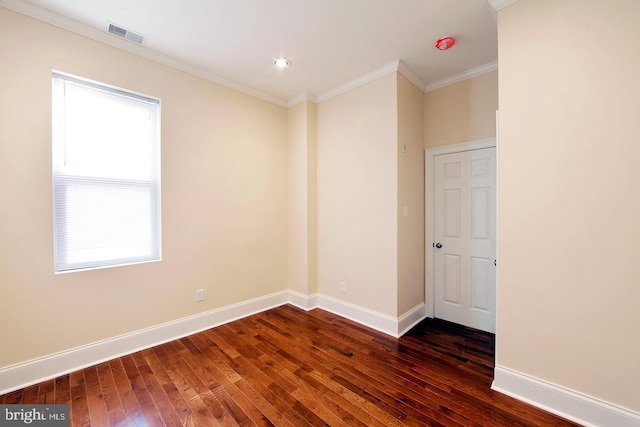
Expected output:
(288, 367)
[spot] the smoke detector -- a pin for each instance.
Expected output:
(445, 43)
(126, 34)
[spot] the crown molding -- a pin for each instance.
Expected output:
(499, 4)
(395, 66)
(465, 75)
(405, 71)
(360, 81)
(303, 97)
(40, 14)
(43, 15)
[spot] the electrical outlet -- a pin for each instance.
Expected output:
(200, 295)
(343, 287)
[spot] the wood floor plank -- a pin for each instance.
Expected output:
(112, 403)
(179, 405)
(80, 415)
(290, 367)
(338, 393)
(47, 392)
(256, 389)
(404, 386)
(389, 415)
(203, 383)
(30, 394)
(261, 381)
(13, 398)
(270, 383)
(369, 383)
(95, 398)
(174, 366)
(62, 391)
(155, 391)
(131, 409)
(279, 385)
(208, 359)
(440, 394)
(223, 389)
(406, 391)
(144, 400)
(343, 361)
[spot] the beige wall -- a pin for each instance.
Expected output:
(357, 195)
(224, 198)
(410, 194)
(312, 198)
(303, 198)
(462, 112)
(301, 123)
(297, 156)
(569, 229)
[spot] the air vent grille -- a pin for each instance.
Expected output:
(126, 34)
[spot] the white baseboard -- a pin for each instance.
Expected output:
(411, 318)
(561, 401)
(44, 368)
(396, 327)
(303, 301)
(373, 319)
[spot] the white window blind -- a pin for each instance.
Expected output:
(106, 175)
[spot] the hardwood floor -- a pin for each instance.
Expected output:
(288, 367)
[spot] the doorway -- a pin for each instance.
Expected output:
(461, 234)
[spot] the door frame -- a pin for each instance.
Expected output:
(429, 209)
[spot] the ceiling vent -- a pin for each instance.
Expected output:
(126, 34)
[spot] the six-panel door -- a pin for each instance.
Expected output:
(465, 227)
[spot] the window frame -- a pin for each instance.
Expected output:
(64, 178)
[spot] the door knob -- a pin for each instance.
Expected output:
(438, 245)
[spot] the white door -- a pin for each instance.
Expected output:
(465, 235)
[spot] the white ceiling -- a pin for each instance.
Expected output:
(329, 42)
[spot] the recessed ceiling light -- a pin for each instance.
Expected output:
(282, 62)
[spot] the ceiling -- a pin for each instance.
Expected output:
(329, 42)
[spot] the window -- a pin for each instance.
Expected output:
(106, 175)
